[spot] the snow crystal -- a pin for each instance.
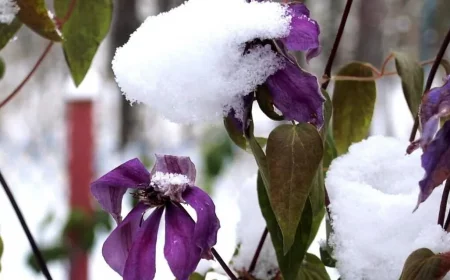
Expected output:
(373, 190)
(188, 63)
(161, 179)
(8, 10)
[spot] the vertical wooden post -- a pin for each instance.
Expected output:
(79, 105)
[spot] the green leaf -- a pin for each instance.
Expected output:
(1, 250)
(83, 32)
(235, 135)
(265, 102)
(325, 256)
(196, 276)
(423, 264)
(259, 156)
(80, 227)
(293, 155)
(7, 31)
(50, 254)
(2, 68)
(317, 199)
(35, 15)
(330, 152)
(290, 262)
(353, 105)
(412, 76)
(312, 269)
(328, 108)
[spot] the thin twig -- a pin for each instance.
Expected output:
(27, 78)
(443, 207)
(223, 264)
(258, 250)
(431, 75)
(37, 253)
(337, 40)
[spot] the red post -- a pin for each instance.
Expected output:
(81, 146)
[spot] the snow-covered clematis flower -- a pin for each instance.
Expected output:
(130, 249)
(295, 92)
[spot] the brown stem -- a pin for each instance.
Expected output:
(443, 207)
(223, 264)
(258, 250)
(27, 78)
(431, 75)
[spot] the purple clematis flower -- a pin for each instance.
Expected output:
(435, 105)
(131, 247)
(295, 92)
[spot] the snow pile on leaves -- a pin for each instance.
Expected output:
(373, 190)
(8, 10)
(188, 63)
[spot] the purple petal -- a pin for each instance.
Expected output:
(239, 116)
(297, 95)
(110, 188)
(436, 162)
(205, 232)
(141, 262)
(432, 102)
(117, 245)
(304, 32)
(176, 165)
(180, 250)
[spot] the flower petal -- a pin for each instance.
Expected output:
(117, 245)
(141, 262)
(304, 32)
(436, 162)
(110, 188)
(297, 95)
(432, 100)
(207, 225)
(180, 250)
(239, 115)
(176, 165)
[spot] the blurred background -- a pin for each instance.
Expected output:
(44, 130)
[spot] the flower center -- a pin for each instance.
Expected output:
(163, 188)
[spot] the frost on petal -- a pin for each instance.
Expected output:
(297, 95)
(8, 10)
(207, 225)
(117, 245)
(141, 262)
(175, 165)
(436, 162)
(180, 250)
(374, 187)
(304, 32)
(199, 82)
(110, 188)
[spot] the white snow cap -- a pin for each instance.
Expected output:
(162, 180)
(8, 10)
(188, 63)
(373, 190)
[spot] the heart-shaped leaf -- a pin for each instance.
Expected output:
(353, 106)
(412, 76)
(83, 32)
(290, 262)
(423, 264)
(293, 156)
(35, 15)
(7, 31)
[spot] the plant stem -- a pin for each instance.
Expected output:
(443, 207)
(258, 250)
(27, 78)
(431, 75)
(337, 40)
(223, 264)
(36, 251)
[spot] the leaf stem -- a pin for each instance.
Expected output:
(337, 40)
(37, 253)
(223, 264)
(27, 78)
(431, 75)
(443, 206)
(258, 250)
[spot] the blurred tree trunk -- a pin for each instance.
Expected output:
(125, 22)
